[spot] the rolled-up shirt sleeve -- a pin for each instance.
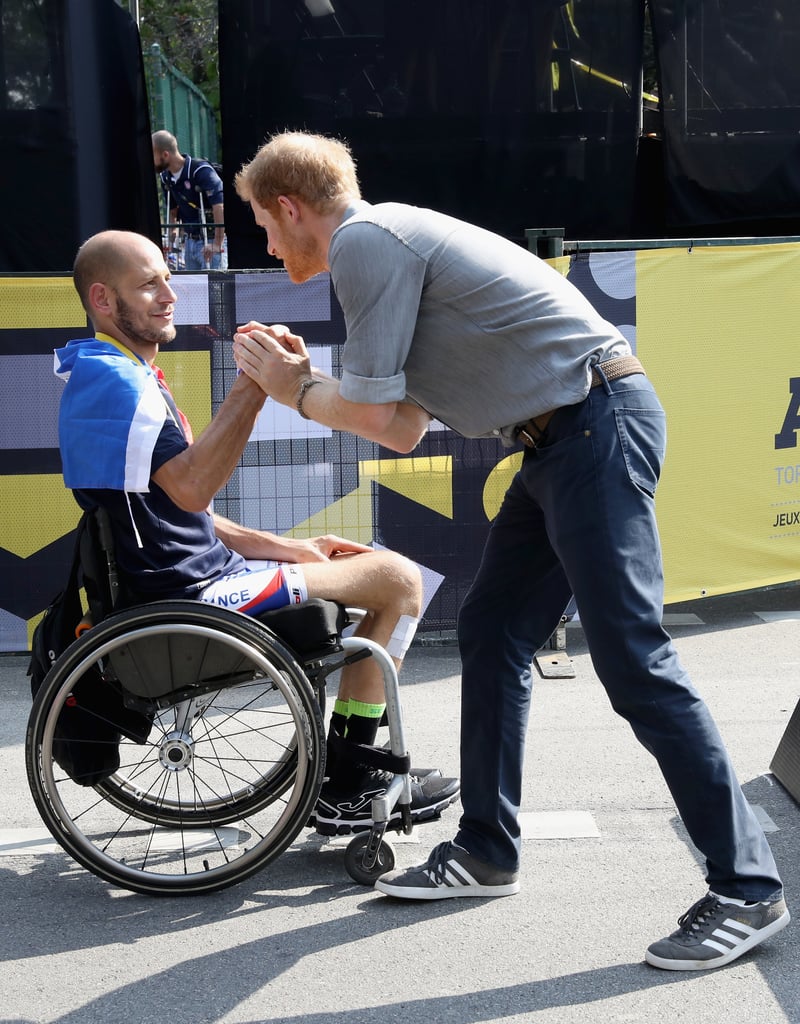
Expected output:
(378, 280)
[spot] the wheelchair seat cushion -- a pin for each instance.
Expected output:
(310, 629)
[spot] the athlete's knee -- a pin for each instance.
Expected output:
(406, 581)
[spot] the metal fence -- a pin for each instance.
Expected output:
(179, 106)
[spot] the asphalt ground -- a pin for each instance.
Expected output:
(607, 868)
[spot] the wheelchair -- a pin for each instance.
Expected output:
(196, 745)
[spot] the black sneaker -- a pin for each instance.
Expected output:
(449, 871)
(340, 813)
(713, 932)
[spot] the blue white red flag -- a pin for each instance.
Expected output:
(111, 415)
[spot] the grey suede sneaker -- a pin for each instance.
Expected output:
(449, 871)
(712, 933)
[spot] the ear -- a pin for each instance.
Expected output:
(100, 297)
(290, 207)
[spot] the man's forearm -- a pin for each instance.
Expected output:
(192, 478)
(249, 543)
(396, 425)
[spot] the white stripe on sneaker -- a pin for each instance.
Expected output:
(720, 948)
(746, 928)
(457, 874)
(727, 941)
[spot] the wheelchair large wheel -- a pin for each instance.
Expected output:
(227, 775)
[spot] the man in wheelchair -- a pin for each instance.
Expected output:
(128, 449)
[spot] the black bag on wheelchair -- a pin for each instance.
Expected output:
(94, 718)
(56, 629)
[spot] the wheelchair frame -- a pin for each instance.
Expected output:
(231, 767)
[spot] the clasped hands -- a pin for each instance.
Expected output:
(276, 359)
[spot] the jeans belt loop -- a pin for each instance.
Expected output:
(532, 431)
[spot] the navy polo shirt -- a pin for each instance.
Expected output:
(162, 551)
(197, 177)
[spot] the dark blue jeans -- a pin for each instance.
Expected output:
(193, 258)
(579, 518)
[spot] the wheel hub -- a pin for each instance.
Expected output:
(176, 751)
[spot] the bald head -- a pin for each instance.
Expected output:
(123, 284)
(105, 257)
(164, 141)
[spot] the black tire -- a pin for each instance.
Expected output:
(229, 773)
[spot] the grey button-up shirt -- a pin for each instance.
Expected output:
(475, 329)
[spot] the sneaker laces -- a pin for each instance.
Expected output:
(696, 917)
(438, 860)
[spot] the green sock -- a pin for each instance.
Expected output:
(363, 722)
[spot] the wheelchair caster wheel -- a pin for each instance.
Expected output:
(354, 860)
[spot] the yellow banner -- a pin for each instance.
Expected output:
(717, 330)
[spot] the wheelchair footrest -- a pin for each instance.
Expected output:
(373, 757)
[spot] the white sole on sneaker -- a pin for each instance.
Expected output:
(744, 940)
(449, 887)
(446, 891)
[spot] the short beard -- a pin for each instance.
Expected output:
(303, 263)
(156, 336)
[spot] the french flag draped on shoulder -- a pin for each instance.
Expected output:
(111, 415)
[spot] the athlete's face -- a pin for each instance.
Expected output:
(141, 300)
(289, 241)
(160, 160)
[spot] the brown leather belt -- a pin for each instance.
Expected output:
(530, 433)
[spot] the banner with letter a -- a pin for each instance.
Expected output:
(718, 330)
